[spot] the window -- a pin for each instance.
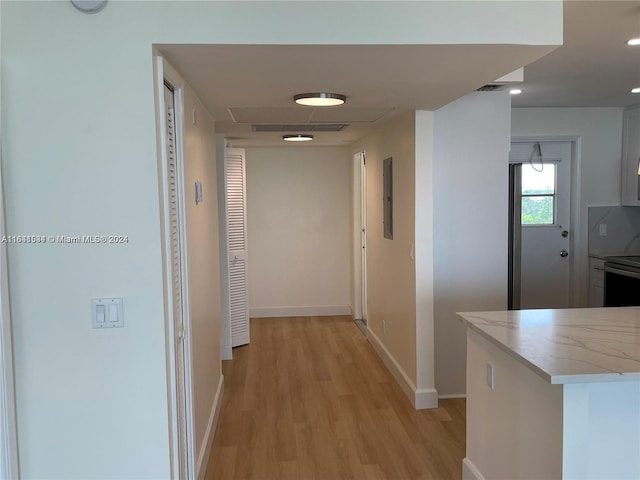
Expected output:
(538, 194)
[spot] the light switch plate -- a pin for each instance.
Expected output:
(603, 229)
(107, 313)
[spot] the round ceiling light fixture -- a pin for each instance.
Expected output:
(89, 6)
(634, 42)
(320, 99)
(297, 138)
(635, 90)
(515, 91)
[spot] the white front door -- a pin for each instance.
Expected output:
(546, 235)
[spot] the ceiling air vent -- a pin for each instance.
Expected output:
(492, 87)
(305, 127)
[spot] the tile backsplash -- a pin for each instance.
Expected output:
(622, 227)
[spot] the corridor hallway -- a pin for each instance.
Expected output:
(310, 399)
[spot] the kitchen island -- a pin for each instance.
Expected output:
(553, 394)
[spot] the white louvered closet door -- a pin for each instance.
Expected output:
(176, 275)
(237, 241)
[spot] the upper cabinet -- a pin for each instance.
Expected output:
(631, 156)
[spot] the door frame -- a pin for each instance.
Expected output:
(8, 429)
(359, 240)
(178, 421)
(575, 241)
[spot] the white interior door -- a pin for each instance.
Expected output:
(235, 167)
(176, 237)
(545, 236)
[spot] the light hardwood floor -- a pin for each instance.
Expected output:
(310, 399)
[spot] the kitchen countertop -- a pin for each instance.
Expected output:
(584, 345)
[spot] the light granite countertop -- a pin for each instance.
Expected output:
(570, 345)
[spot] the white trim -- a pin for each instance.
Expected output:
(163, 72)
(574, 208)
(209, 434)
(420, 399)
(451, 396)
(226, 352)
(357, 235)
(8, 435)
(469, 471)
(273, 312)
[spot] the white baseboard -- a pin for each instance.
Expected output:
(420, 399)
(469, 471)
(205, 450)
(327, 311)
(452, 395)
(226, 353)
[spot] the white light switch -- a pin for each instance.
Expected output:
(107, 313)
(490, 376)
(100, 313)
(113, 313)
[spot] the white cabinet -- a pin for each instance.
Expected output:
(630, 192)
(596, 282)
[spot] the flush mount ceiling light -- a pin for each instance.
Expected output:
(297, 138)
(89, 6)
(634, 42)
(515, 91)
(320, 99)
(635, 90)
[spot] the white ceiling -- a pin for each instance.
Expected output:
(244, 85)
(594, 67)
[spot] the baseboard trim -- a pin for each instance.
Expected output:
(420, 399)
(326, 311)
(226, 353)
(205, 450)
(469, 471)
(453, 395)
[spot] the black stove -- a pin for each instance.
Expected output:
(631, 261)
(622, 281)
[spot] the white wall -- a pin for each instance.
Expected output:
(601, 423)
(390, 267)
(424, 251)
(80, 157)
(600, 131)
(515, 429)
(470, 189)
(203, 269)
(298, 223)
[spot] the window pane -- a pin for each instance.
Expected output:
(535, 182)
(537, 210)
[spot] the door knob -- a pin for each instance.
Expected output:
(564, 253)
(565, 233)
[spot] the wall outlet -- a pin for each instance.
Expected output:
(384, 327)
(491, 376)
(603, 229)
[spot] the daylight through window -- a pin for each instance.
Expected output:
(538, 193)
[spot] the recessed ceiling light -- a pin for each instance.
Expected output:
(635, 90)
(515, 91)
(297, 138)
(320, 99)
(634, 41)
